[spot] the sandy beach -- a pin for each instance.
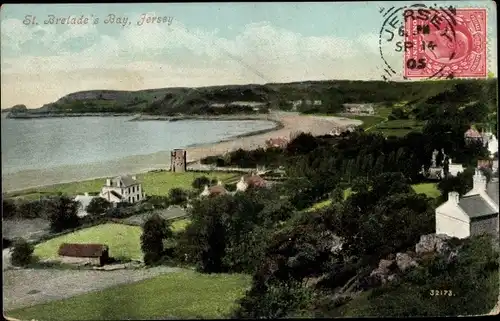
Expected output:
(290, 123)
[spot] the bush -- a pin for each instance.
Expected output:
(22, 252)
(158, 201)
(9, 208)
(155, 231)
(200, 182)
(6, 243)
(177, 196)
(98, 206)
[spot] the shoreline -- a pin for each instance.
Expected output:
(66, 115)
(286, 124)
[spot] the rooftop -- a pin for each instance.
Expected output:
(82, 250)
(475, 206)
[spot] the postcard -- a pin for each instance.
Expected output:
(249, 160)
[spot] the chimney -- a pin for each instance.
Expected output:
(453, 197)
(108, 182)
(86, 194)
(134, 178)
(479, 181)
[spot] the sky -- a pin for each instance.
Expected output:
(196, 44)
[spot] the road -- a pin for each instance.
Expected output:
(27, 287)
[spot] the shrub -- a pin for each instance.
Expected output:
(177, 196)
(9, 208)
(98, 206)
(6, 243)
(22, 252)
(155, 231)
(200, 182)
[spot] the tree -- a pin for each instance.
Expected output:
(280, 300)
(177, 196)
(302, 144)
(62, 213)
(159, 201)
(98, 206)
(9, 208)
(154, 232)
(22, 252)
(200, 182)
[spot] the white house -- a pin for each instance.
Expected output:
(474, 213)
(454, 169)
(247, 181)
(492, 143)
(84, 202)
(214, 190)
(122, 189)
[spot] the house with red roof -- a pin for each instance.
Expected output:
(77, 253)
(214, 190)
(253, 180)
(472, 135)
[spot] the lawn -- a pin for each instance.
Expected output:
(369, 121)
(398, 127)
(153, 183)
(123, 241)
(429, 189)
(180, 225)
(179, 294)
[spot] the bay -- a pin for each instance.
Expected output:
(32, 144)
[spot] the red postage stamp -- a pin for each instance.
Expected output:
(450, 46)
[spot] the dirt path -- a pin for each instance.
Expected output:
(26, 287)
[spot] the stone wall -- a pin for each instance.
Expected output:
(80, 260)
(487, 225)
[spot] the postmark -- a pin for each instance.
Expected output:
(456, 47)
(416, 41)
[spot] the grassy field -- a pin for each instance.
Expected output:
(153, 183)
(180, 225)
(123, 241)
(369, 121)
(398, 127)
(179, 294)
(429, 189)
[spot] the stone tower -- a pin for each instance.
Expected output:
(178, 161)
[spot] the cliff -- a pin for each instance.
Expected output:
(237, 99)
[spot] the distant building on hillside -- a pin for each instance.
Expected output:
(437, 171)
(306, 102)
(93, 254)
(178, 162)
(473, 214)
(122, 189)
(337, 131)
(359, 109)
(280, 142)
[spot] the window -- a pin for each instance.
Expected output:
(129, 200)
(133, 189)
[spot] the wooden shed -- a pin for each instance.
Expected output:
(75, 253)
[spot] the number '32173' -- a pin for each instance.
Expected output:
(441, 293)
